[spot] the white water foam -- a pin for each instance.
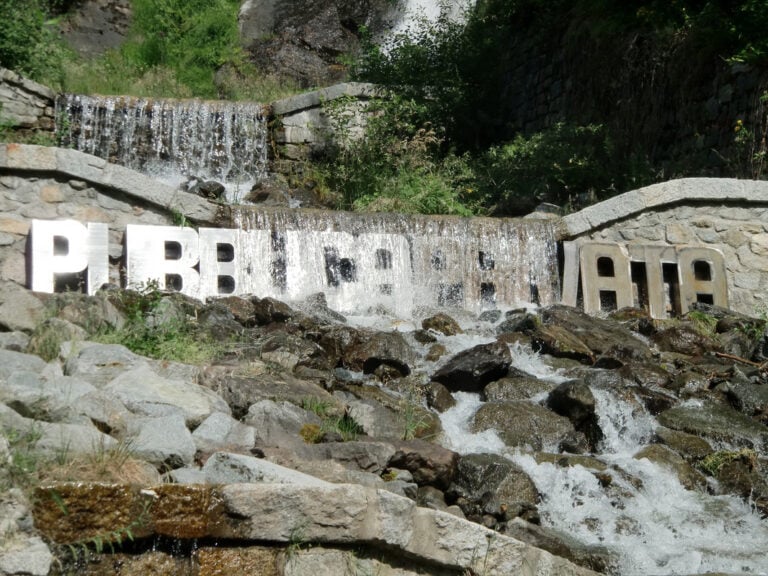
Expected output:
(645, 518)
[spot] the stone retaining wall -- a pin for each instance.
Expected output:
(25, 104)
(304, 124)
(728, 215)
(55, 183)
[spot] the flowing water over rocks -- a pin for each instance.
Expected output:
(314, 428)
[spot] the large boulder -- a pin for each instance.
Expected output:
(491, 485)
(602, 337)
(524, 424)
(717, 423)
(429, 463)
(472, 369)
(303, 39)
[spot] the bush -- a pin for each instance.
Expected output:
(561, 165)
(396, 165)
(28, 44)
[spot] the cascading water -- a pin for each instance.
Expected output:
(397, 263)
(170, 139)
(646, 518)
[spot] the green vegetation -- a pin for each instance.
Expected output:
(175, 48)
(332, 422)
(157, 326)
(712, 463)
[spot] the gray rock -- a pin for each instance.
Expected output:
(228, 468)
(164, 441)
(524, 424)
(146, 393)
(49, 335)
(14, 341)
(471, 370)
(716, 422)
(25, 556)
(429, 463)
(61, 439)
(36, 397)
(353, 514)
(370, 457)
(20, 309)
(99, 364)
(491, 484)
(221, 431)
(278, 423)
(11, 362)
(187, 476)
(516, 388)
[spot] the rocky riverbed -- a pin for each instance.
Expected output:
(248, 434)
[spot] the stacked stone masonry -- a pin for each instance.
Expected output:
(25, 104)
(730, 216)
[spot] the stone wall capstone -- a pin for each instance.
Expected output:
(730, 216)
(25, 104)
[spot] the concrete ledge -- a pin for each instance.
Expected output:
(656, 196)
(315, 99)
(80, 166)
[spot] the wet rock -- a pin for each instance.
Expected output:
(439, 397)
(242, 309)
(689, 477)
(715, 422)
(559, 342)
(164, 441)
(574, 400)
(517, 321)
(689, 446)
(435, 352)
(268, 310)
(596, 558)
(490, 484)
(523, 424)
(209, 189)
(744, 474)
(684, 338)
(292, 353)
(424, 337)
(146, 393)
(228, 468)
(365, 350)
(750, 398)
(601, 337)
(443, 324)
(491, 316)
(516, 388)
(472, 369)
(563, 460)
(429, 463)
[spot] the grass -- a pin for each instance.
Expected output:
(332, 422)
(157, 328)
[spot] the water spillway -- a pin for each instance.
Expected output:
(396, 262)
(170, 139)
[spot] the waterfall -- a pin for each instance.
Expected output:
(170, 139)
(644, 517)
(397, 263)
